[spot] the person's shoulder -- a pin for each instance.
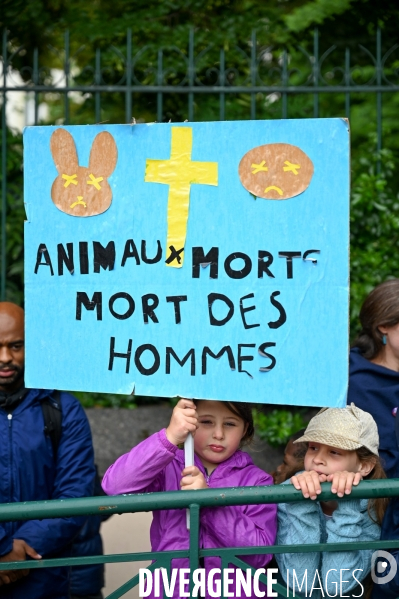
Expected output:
(358, 363)
(72, 409)
(361, 369)
(69, 400)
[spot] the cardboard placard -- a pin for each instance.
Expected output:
(195, 259)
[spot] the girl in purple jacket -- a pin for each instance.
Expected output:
(157, 464)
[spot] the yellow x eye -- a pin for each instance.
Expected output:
(95, 181)
(259, 167)
(69, 179)
(291, 167)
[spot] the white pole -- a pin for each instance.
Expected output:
(189, 461)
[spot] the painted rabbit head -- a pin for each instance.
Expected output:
(80, 190)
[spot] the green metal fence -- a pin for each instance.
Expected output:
(266, 82)
(194, 501)
(259, 81)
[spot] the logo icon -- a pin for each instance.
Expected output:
(380, 560)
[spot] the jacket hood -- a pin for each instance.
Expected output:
(375, 389)
(359, 365)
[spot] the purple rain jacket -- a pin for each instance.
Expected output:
(156, 465)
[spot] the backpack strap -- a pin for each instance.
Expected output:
(52, 415)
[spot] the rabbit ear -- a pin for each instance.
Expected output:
(63, 150)
(103, 155)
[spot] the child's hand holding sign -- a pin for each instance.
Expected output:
(183, 421)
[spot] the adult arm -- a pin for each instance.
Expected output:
(350, 523)
(140, 470)
(74, 477)
(5, 542)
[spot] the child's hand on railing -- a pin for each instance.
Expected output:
(342, 482)
(192, 478)
(183, 421)
(309, 483)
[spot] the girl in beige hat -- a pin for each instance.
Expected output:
(342, 449)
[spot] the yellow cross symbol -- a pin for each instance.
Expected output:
(69, 179)
(291, 167)
(259, 167)
(95, 181)
(179, 172)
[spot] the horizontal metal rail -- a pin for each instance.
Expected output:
(221, 552)
(194, 501)
(146, 502)
(205, 89)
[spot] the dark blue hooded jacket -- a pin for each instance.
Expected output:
(389, 531)
(29, 472)
(375, 389)
(89, 580)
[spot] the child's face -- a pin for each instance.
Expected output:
(218, 435)
(290, 465)
(325, 459)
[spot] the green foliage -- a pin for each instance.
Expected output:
(374, 227)
(105, 400)
(277, 426)
(217, 24)
(15, 217)
(109, 400)
(315, 12)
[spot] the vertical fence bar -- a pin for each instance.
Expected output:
(347, 83)
(66, 71)
(191, 75)
(36, 82)
(285, 82)
(4, 172)
(128, 95)
(159, 82)
(222, 83)
(194, 541)
(316, 72)
(379, 100)
(97, 80)
(253, 75)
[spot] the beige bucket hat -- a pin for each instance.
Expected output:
(345, 428)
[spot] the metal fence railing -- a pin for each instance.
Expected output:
(194, 501)
(260, 81)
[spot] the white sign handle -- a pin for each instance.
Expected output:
(189, 461)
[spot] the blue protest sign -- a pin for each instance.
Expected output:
(195, 259)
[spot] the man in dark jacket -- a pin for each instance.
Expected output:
(29, 470)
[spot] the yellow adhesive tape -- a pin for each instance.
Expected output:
(291, 167)
(95, 181)
(69, 179)
(80, 201)
(180, 172)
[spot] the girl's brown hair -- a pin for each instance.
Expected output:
(243, 411)
(380, 309)
(376, 507)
